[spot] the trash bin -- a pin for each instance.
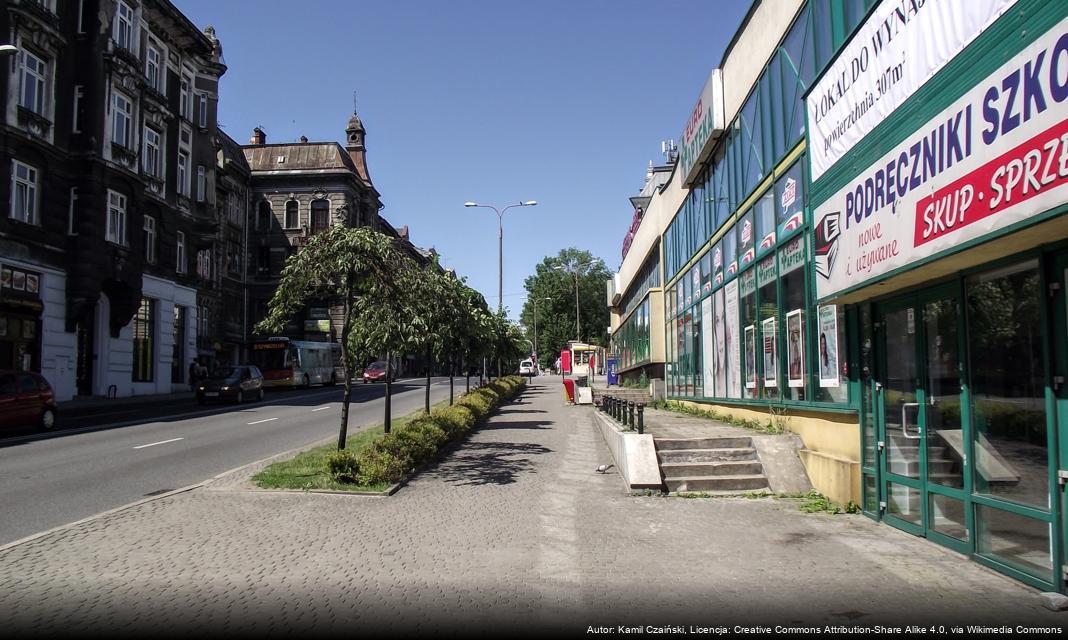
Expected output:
(610, 370)
(569, 390)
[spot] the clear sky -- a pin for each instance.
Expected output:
(563, 102)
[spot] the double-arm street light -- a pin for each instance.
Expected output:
(574, 271)
(500, 242)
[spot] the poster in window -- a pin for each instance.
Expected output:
(730, 340)
(795, 350)
(750, 357)
(771, 362)
(18, 280)
(29, 329)
(720, 367)
(32, 283)
(707, 340)
(5, 278)
(828, 346)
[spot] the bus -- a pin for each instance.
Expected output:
(297, 363)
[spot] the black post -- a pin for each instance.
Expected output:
(630, 406)
(641, 418)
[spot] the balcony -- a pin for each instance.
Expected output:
(154, 185)
(34, 123)
(37, 10)
(124, 156)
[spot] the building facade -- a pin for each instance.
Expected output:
(108, 139)
(872, 242)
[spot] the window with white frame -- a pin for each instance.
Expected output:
(180, 244)
(33, 80)
(152, 163)
(203, 105)
(154, 65)
(184, 102)
(150, 239)
(204, 264)
(201, 183)
(121, 119)
(116, 225)
(124, 21)
(183, 173)
(24, 189)
(72, 223)
(292, 215)
(76, 122)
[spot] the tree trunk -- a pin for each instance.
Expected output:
(426, 403)
(346, 356)
(452, 374)
(389, 392)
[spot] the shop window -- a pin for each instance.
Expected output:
(750, 333)
(1009, 420)
(830, 357)
(795, 318)
(764, 217)
(144, 336)
(1014, 539)
(770, 330)
(730, 253)
(178, 354)
(790, 201)
(706, 273)
(746, 240)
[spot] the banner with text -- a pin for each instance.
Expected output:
(899, 48)
(996, 156)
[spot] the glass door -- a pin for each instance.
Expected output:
(1059, 324)
(921, 445)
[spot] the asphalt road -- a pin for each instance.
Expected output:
(94, 464)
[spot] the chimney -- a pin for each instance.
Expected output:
(304, 139)
(403, 232)
(258, 136)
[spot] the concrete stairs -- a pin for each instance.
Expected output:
(716, 465)
(637, 396)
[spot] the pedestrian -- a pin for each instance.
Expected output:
(194, 375)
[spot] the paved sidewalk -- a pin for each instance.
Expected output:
(513, 533)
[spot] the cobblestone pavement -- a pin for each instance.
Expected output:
(513, 532)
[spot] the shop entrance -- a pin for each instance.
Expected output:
(921, 434)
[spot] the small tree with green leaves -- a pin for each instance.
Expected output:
(363, 272)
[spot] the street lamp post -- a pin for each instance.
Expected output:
(536, 324)
(575, 273)
(8, 49)
(500, 242)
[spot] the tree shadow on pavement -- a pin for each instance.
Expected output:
(507, 411)
(483, 463)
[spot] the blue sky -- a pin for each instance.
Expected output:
(563, 102)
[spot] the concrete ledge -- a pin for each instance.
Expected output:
(634, 455)
(781, 460)
(836, 477)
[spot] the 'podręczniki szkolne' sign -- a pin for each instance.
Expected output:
(897, 49)
(996, 156)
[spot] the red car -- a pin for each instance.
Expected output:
(26, 399)
(377, 372)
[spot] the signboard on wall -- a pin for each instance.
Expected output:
(703, 128)
(898, 49)
(993, 158)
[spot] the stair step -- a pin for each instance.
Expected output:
(726, 442)
(695, 469)
(716, 483)
(706, 455)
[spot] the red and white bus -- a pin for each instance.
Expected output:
(297, 363)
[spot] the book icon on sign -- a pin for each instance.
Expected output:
(827, 232)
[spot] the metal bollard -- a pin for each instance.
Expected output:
(641, 418)
(615, 409)
(630, 406)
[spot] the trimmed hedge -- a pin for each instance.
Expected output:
(390, 457)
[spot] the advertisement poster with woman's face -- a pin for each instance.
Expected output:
(771, 362)
(721, 351)
(730, 341)
(750, 357)
(795, 350)
(827, 353)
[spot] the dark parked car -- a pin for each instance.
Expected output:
(377, 372)
(26, 399)
(238, 383)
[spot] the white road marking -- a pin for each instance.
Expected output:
(321, 408)
(155, 443)
(262, 421)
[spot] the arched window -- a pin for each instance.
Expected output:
(292, 217)
(264, 216)
(320, 215)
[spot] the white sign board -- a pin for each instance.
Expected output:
(703, 128)
(899, 48)
(995, 157)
